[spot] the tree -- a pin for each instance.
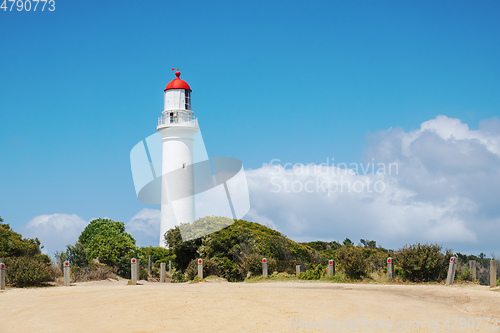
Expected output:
(184, 251)
(371, 244)
(13, 244)
(348, 242)
(108, 240)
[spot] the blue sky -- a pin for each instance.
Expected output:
(291, 80)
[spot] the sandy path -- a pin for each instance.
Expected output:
(244, 307)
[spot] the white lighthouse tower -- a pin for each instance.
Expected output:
(177, 126)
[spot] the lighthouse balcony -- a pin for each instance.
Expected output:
(177, 119)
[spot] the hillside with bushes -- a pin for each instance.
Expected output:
(236, 251)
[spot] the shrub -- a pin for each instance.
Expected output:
(315, 273)
(210, 267)
(177, 276)
(251, 264)
(26, 271)
(353, 261)
(94, 272)
(463, 274)
(422, 262)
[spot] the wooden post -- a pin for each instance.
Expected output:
(149, 265)
(200, 268)
(331, 267)
(67, 274)
(390, 269)
(162, 271)
(170, 267)
(133, 271)
(493, 273)
(2, 275)
(297, 270)
(451, 271)
(472, 267)
(264, 267)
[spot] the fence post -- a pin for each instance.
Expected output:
(162, 271)
(133, 271)
(472, 268)
(200, 268)
(264, 267)
(67, 274)
(390, 269)
(331, 267)
(451, 271)
(297, 270)
(149, 265)
(493, 273)
(2, 275)
(170, 267)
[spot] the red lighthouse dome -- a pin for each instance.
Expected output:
(177, 83)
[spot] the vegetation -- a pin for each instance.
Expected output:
(353, 261)
(107, 240)
(239, 248)
(27, 266)
(314, 273)
(234, 252)
(26, 271)
(423, 262)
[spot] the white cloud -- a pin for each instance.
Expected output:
(145, 227)
(55, 231)
(445, 189)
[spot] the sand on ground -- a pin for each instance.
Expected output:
(114, 306)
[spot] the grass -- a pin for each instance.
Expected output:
(210, 278)
(273, 277)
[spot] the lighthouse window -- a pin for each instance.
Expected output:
(187, 102)
(173, 117)
(184, 165)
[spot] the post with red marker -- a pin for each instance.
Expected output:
(331, 267)
(67, 273)
(451, 271)
(134, 270)
(200, 268)
(390, 269)
(264, 267)
(2, 275)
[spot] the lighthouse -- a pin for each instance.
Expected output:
(177, 125)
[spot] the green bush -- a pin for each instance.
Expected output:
(251, 265)
(463, 274)
(178, 276)
(210, 267)
(353, 261)
(27, 271)
(315, 273)
(423, 262)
